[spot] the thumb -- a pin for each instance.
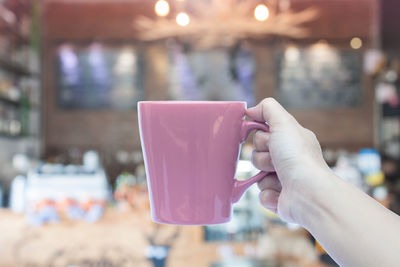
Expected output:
(270, 111)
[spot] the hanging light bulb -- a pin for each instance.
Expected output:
(182, 19)
(261, 12)
(161, 8)
(356, 43)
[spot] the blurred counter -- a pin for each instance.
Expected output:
(118, 239)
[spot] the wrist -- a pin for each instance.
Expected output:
(310, 197)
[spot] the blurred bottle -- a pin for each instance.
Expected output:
(17, 194)
(91, 161)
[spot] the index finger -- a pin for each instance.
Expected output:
(270, 111)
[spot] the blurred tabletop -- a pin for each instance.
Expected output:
(118, 239)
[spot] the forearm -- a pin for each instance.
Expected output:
(353, 228)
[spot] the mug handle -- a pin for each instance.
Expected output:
(239, 187)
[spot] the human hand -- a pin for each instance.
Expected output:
(291, 154)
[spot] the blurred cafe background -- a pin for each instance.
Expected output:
(72, 179)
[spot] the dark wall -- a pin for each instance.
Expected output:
(390, 24)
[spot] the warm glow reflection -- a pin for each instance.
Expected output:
(356, 43)
(292, 53)
(182, 19)
(161, 8)
(125, 61)
(320, 45)
(261, 12)
(323, 54)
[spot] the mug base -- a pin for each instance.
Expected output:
(194, 223)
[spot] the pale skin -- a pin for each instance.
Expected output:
(351, 226)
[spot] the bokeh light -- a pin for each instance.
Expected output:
(161, 8)
(356, 43)
(182, 19)
(261, 12)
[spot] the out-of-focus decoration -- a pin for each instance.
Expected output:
(387, 83)
(381, 194)
(214, 74)
(387, 93)
(319, 76)
(369, 163)
(42, 212)
(50, 211)
(374, 61)
(87, 209)
(131, 193)
(124, 190)
(348, 172)
(224, 22)
(99, 76)
(375, 179)
(57, 181)
(389, 136)
(49, 192)
(356, 43)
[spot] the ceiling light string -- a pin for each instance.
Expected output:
(223, 21)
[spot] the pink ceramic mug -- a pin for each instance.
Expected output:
(190, 151)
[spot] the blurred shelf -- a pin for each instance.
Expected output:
(18, 69)
(9, 101)
(8, 28)
(14, 35)
(9, 136)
